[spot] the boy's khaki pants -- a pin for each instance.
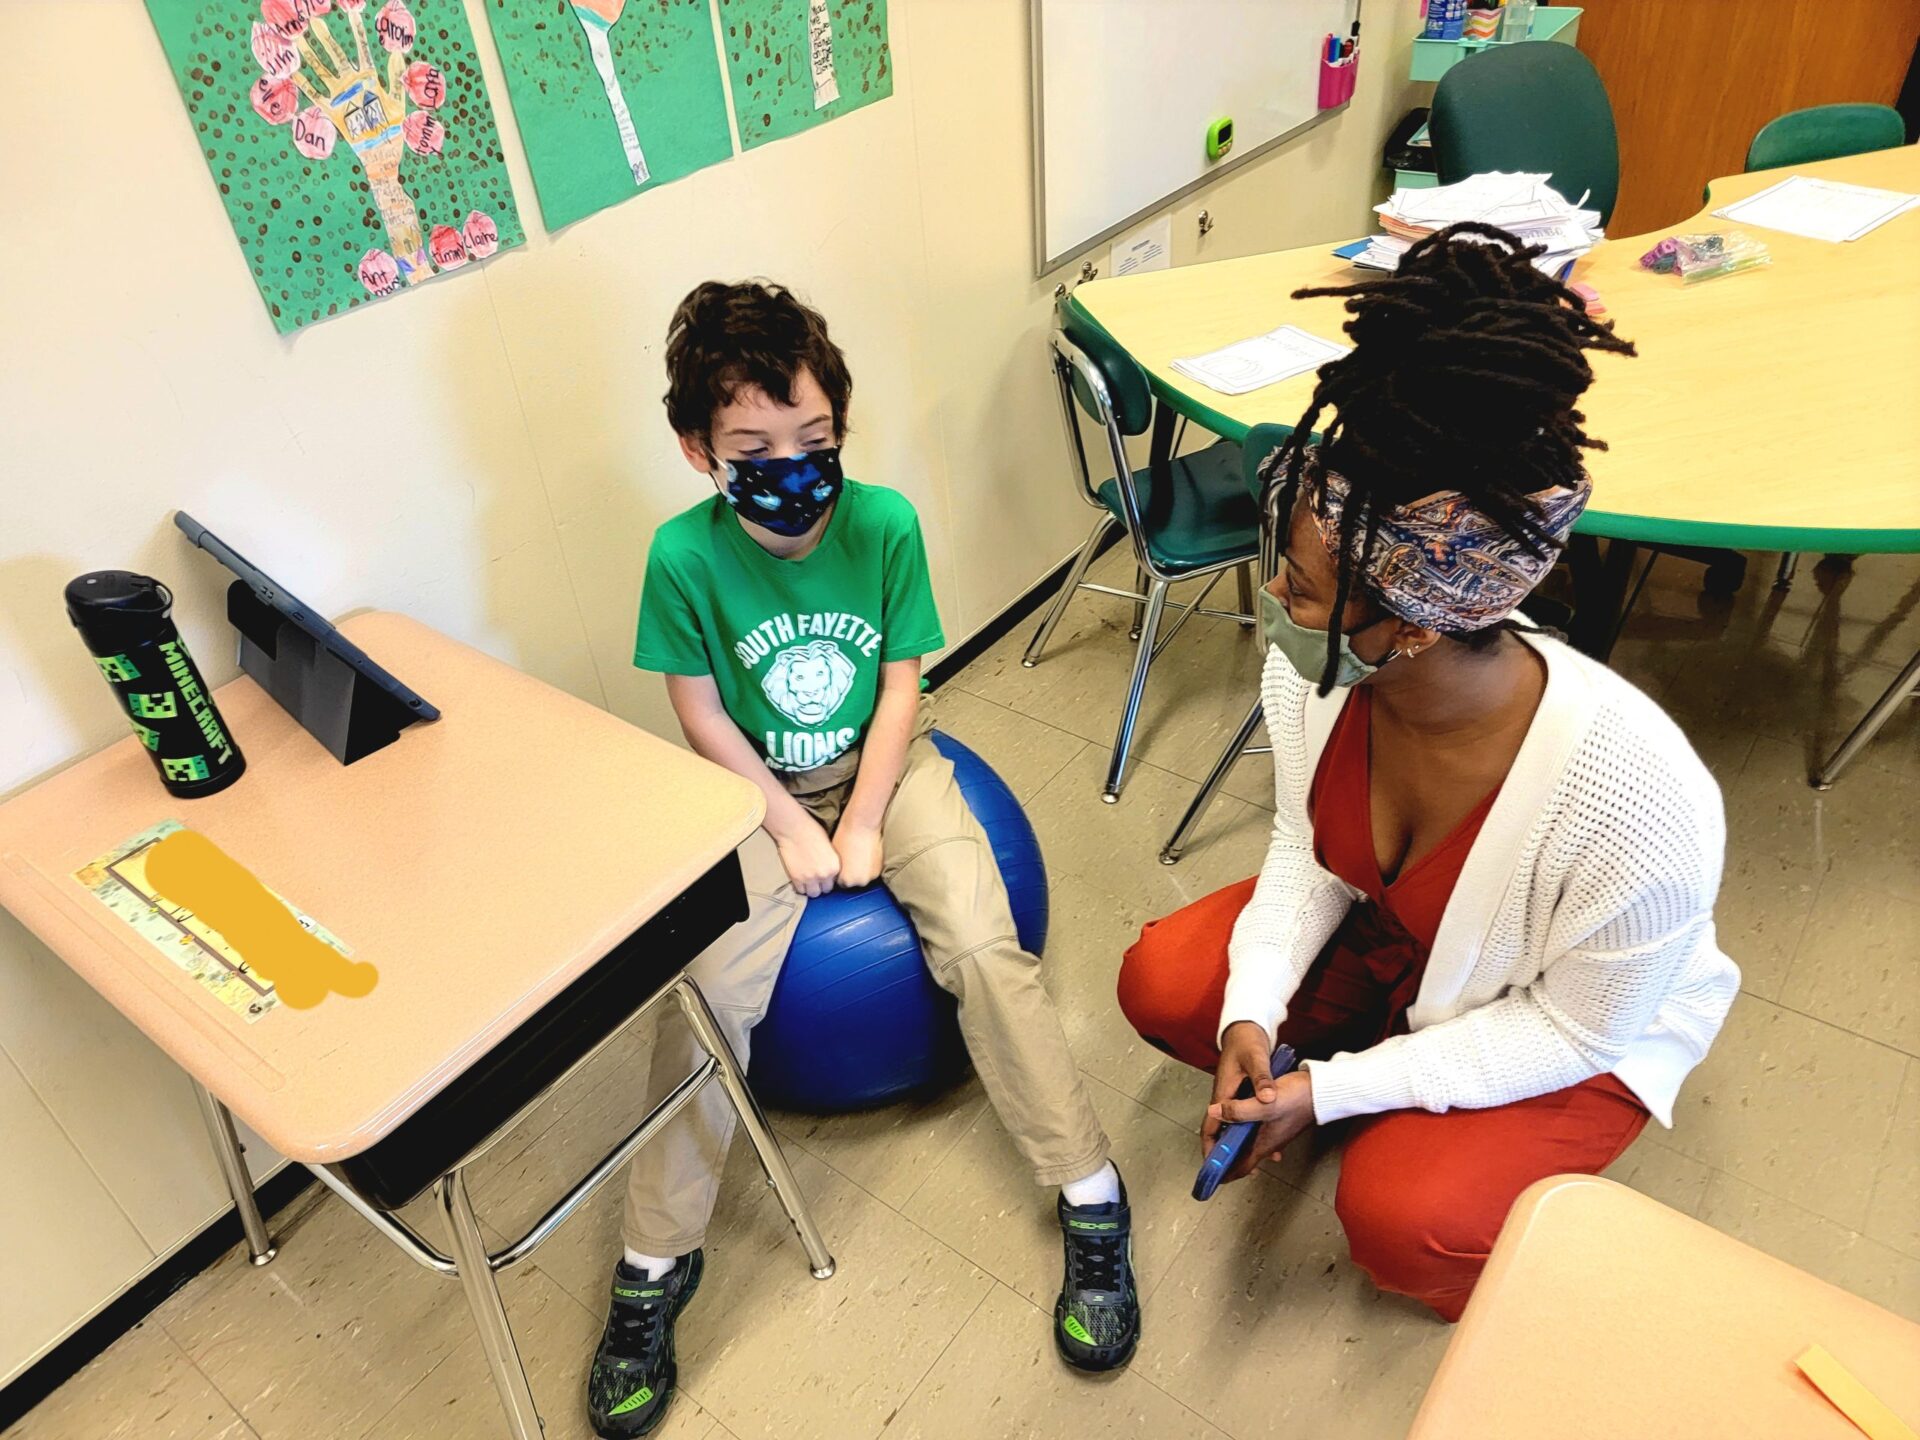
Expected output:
(940, 867)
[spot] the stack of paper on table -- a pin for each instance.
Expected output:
(1820, 209)
(1525, 206)
(1264, 360)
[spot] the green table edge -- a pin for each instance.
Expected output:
(1641, 529)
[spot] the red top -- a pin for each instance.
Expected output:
(1395, 931)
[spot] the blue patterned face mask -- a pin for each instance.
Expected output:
(785, 495)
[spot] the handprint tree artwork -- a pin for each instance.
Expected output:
(352, 142)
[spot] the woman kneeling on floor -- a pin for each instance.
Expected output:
(1486, 919)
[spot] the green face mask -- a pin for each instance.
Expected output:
(1306, 650)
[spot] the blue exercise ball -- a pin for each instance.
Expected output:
(856, 1020)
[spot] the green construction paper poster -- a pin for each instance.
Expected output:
(352, 141)
(796, 63)
(612, 96)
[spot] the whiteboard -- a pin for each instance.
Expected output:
(1124, 90)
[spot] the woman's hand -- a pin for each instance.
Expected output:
(1281, 1119)
(1283, 1108)
(810, 859)
(858, 847)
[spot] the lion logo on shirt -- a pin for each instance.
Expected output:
(806, 683)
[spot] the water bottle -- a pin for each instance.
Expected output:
(125, 621)
(1517, 21)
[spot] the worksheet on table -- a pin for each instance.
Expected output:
(1819, 209)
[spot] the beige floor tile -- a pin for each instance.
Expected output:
(771, 1352)
(982, 1201)
(1662, 1173)
(888, 1152)
(766, 1349)
(327, 1338)
(1762, 913)
(556, 1336)
(142, 1388)
(1792, 1105)
(1090, 933)
(1835, 1253)
(1000, 1380)
(1808, 696)
(1116, 847)
(1026, 752)
(1858, 964)
(1863, 826)
(1177, 1091)
(1893, 1214)
(1266, 1329)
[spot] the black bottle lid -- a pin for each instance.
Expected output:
(117, 605)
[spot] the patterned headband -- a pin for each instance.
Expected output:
(1442, 563)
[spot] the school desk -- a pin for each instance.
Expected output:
(528, 874)
(1771, 410)
(1605, 1314)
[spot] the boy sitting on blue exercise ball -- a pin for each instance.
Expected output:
(789, 611)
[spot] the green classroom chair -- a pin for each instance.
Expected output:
(1262, 441)
(1538, 108)
(1202, 524)
(1825, 132)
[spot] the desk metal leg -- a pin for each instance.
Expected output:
(233, 1169)
(1903, 686)
(706, 1030)
(489, 1314)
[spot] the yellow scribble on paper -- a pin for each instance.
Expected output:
(190, 870)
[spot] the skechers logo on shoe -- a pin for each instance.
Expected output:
(1093, 1225)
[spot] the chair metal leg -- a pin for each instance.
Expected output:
(1176, 845)
(1142, 660)
(1246, 596)
(489, 1314)
(1789, 562)
(1902, 688)
(1068, 588)
(707, 1032)
(233, 1169)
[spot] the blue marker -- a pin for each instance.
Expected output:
(1234, 1138)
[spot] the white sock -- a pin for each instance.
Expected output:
(1102, 1187)
(652, 1266)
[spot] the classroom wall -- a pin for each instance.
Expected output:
(487, 454)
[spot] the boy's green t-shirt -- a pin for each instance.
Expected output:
(794, 645)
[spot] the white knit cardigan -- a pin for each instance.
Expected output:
(1578, 939)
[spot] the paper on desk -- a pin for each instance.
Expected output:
(118, 881)
(1819, 209)
(1264, 360)
(1852, 1399)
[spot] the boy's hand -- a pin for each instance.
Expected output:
(859, 849)
(810, 859)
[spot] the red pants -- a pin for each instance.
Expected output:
(1421, 1196)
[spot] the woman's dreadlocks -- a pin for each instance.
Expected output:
(1465, 368)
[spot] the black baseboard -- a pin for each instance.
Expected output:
(72, 1354)
(977, 644)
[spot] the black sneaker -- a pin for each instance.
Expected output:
(631, 1383)
(1096, 1320)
